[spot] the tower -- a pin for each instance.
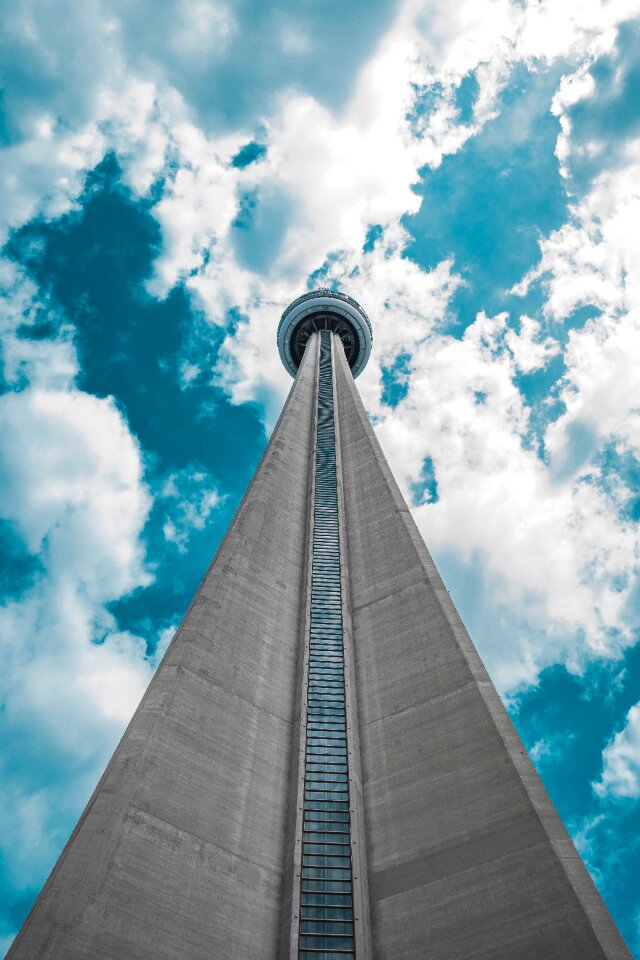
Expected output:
(321, 766)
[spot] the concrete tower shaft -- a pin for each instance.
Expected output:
(467, 856)
(180, 853)
(321, 767)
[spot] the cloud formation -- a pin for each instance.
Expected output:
(469, 172)
(621, 770)
(73, 494)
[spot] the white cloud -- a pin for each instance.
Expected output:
(555, 552)
(573, 88)
(72, 109)
(594, 260)
(588, 838)
(607, 840)
(621, 761)
(577, 29)
(551, 748)
(550, 535)
(200, 28)
(45, 174)
(73, 473)
(188, 499)
(555, 555)
(72, 487)
(197, 207)
(342, 171)
(340, 174)
(530, 352)
(49, 363)
(293, 40)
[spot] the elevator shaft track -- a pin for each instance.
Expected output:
(326, 894)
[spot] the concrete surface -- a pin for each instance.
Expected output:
(179, 854)
(185, 849)
(467, 857)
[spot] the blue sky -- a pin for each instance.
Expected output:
(172, 177)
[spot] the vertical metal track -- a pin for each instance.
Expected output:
(326, 921)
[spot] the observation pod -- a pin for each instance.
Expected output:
(325, 309)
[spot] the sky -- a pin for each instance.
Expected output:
(173, 173)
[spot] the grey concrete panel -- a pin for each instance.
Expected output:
(181, 850)
(467, 857)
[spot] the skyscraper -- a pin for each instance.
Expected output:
(321, 766)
